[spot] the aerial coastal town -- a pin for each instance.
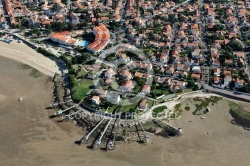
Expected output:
(132, 62)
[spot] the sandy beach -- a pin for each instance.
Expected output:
(22, 53)
(29, 137)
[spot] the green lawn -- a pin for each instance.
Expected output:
(205, 103)
(136, 89)
(160, 91)
(114, 85)
(111, 57)
(127, 106)
(158, 110)
(112, 108)
(81, 89)
(233, 105)
(81, 74)
(241, 116)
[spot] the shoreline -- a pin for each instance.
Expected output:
(22, 53)
(33, 138)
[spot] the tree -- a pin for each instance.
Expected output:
(240, 64)
(196, 87)
(235, 45)
(219, 27)
(25, 23)
(245, 88)
(71, 26)
(132, 110)
(245, 28)
(153, 95)
(190, 84)
(59, 26)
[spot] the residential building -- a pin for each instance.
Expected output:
(127, 86)
(146, 89)
(196, 69)
(239, 83)
(96, 100)
(216, 79)
(113, 98)
(102, 38)
(217, 72)
(109, 73)
(143, 105)
(227, 80)
(63, 38)
(196, 76)
(125, 74)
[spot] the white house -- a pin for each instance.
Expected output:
(227, 80)
(239, 83)
(196, 69)
(113, 98)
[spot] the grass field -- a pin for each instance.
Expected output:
(236, 111)
(136, 89)
(80, 90)
(241, 113)
(81, 74)
(234, 105)
(158, 110)
(205, 103)
(127, 106)
(112, 108)
(160, 91)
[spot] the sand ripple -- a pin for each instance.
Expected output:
(2, 97)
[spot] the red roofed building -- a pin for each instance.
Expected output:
(63, 38)
(101, 40)
(216, 79)
(143, 105)
(96, 100)
(145, 89)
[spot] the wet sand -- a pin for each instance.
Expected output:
(29, 137)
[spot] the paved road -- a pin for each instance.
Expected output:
(229, 94)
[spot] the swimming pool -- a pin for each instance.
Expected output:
(83, 43)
